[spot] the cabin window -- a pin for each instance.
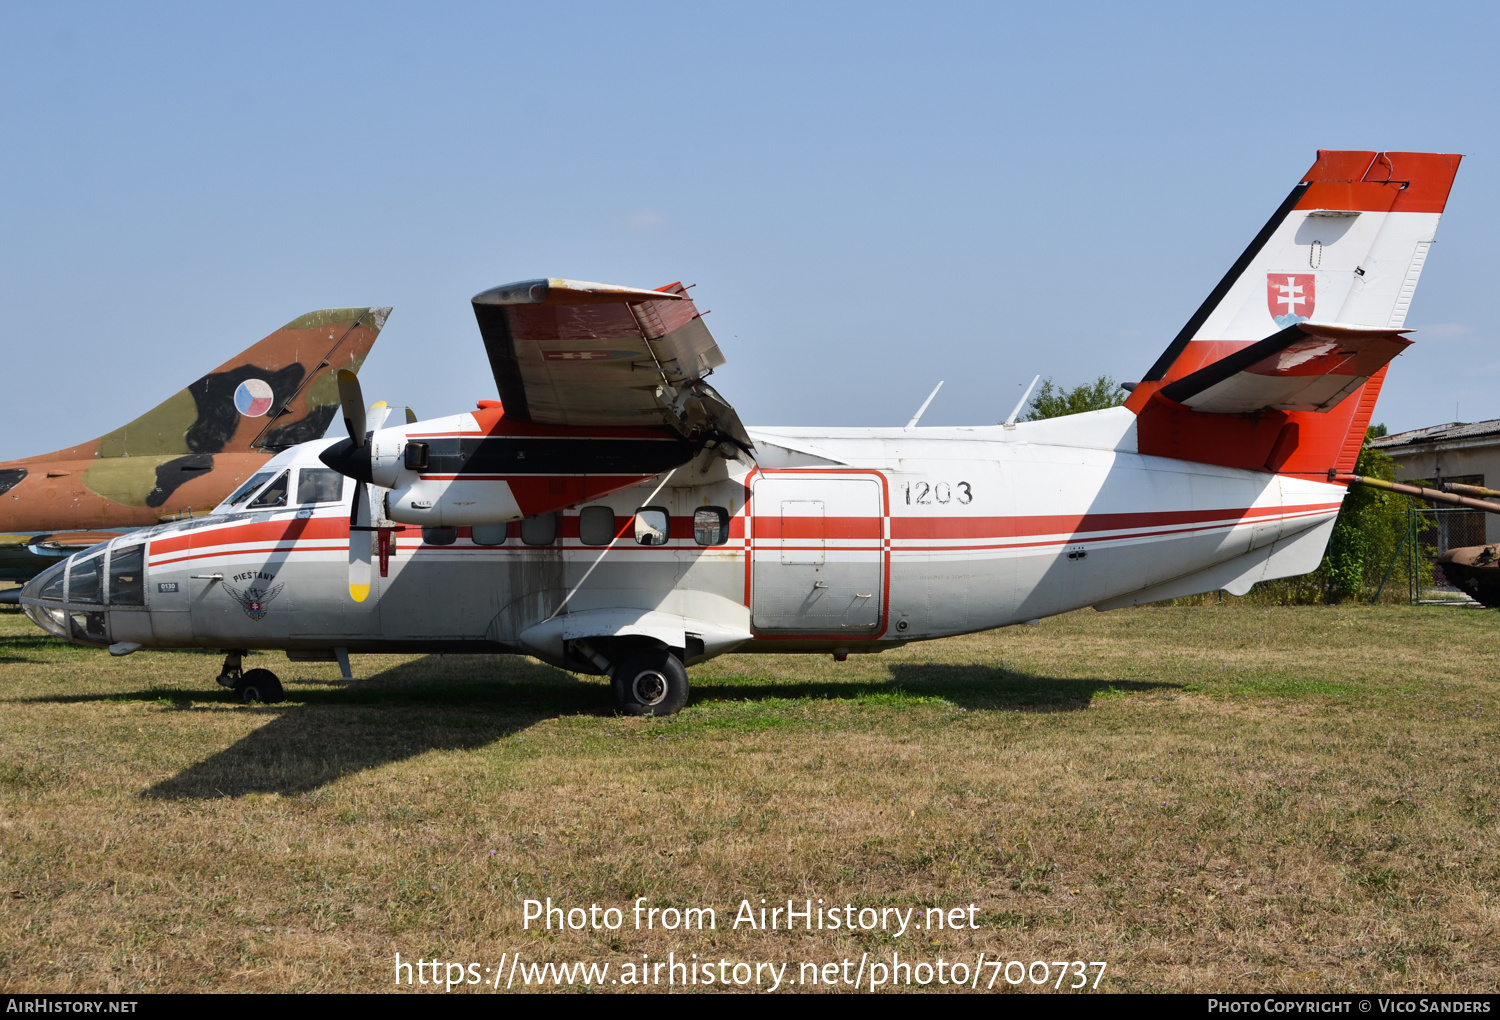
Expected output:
(439, 536)
(489, 534)
(52, 583)
(243, 492)
(83, 579)
(653, 525)
(273, 495)
(710, 525)
(539, 530)
(89, 628)
(596, 525)
(126, 580)
(319, 485)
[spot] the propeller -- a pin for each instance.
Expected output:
(351, 458)
(359, 547)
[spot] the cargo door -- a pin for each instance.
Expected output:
(818, 559)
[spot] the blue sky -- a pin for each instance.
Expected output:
(869, 197)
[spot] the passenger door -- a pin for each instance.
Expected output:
(818, 562)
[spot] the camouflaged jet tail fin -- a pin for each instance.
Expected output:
(273, 395)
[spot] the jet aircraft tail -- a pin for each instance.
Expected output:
(274, 394)
(193, 448)
(1279, 368)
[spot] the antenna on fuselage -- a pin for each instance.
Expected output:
(914, 418)
(1010, 422)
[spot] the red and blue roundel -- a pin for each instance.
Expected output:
(253, 398)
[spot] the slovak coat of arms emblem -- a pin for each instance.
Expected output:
(1291, 297)
(253, 600)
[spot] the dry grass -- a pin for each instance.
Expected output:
(1208, 798)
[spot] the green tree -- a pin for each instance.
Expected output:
(1365, 536)
(1051, 401)
(1369, 527)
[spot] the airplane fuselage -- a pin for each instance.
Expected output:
(834, 540)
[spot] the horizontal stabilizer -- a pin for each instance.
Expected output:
(1309, 366)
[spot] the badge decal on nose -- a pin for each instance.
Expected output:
(253, 600)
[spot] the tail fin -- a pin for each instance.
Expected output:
(1322, 291)
(275, 394)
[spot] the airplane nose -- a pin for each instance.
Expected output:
(47, 587)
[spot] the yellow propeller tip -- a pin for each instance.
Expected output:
(359, 592)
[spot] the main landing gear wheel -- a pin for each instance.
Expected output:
(651, 683)
(259, 685)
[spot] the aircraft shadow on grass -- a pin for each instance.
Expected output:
(975, 687)
(326, 730)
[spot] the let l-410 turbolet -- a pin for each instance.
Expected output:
(610, 514)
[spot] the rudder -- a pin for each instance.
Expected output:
(1327, 281)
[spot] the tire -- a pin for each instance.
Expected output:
(259, 685)
(651, 683)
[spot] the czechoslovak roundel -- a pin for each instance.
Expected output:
(253, 398)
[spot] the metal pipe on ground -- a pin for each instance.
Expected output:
(1431, 495)
(1468, 490)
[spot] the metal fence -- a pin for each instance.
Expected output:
(1430, 532)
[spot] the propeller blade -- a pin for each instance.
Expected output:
(353, 400)
(359, 545)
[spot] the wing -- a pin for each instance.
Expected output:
(238, 594)
(565, 352)
(268, 596)
(1309, 366)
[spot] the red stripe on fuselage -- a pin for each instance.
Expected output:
(905, 528)
(332, 533)
(289, 530)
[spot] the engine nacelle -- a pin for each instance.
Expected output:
(451, 503)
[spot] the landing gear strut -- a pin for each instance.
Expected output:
(229, 675)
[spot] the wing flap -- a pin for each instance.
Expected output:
(1308, 366)
(566, 352)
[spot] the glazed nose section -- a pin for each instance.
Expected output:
(67, 600)
(42, 600)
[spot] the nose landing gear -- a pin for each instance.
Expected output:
(259, 685)
(254, 686)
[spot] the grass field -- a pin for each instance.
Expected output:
(1211, 798)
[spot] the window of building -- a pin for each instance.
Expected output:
(596, 525)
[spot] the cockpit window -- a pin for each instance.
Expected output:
(319, 485)
(243, 492)
(126, 583)
(274, 494)
(52, 583)
(83, 579)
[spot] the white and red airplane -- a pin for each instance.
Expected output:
(610, 514)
